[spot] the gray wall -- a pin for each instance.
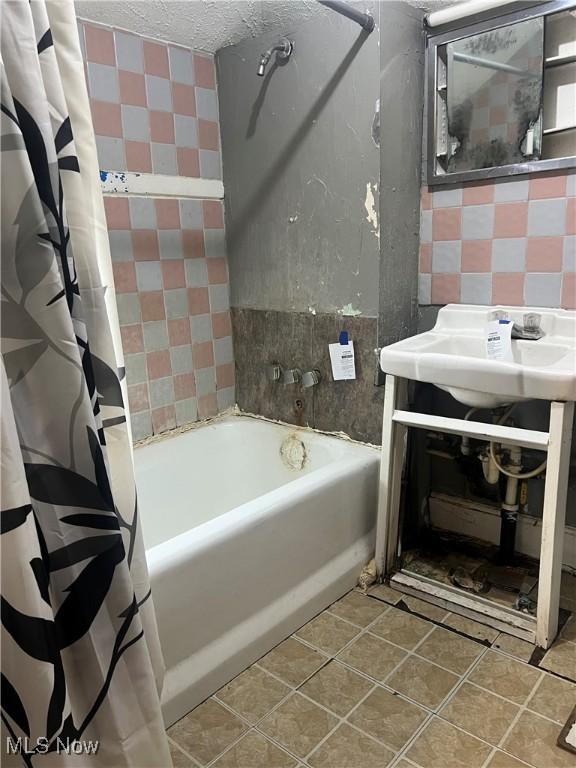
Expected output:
(301, 167)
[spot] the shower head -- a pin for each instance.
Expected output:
(283, 50)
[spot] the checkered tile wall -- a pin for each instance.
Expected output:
(154, 108)
(503, 242)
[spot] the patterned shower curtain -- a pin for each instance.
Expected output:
(81, 661)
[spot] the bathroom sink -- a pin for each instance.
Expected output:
(453, 357)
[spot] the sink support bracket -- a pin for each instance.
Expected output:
(557, 442)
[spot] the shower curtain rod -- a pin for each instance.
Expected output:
(365, 20)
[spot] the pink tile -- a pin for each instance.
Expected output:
(124, 277)
(184, 386)
(446, 224)
(207, 134)
(179, 332)
(198, 301)
(221, 325)
(482, 97)
(99, 45)
(138, 156)
(188, 162)
(158, 364)
(202, 355)
(571, 216)
(213, 214)
(183, 99)
(478, 194)
(426, 258)
(217, 272)
(163, 418)
(544, 254)
(193, 243)
(204, 71)
(498, 115)
(152, 305)
(106, 118)
(508, 288)
(511, 219)
(167, 213)
(569, 290)
(138, 397)
(224, 376)
(425, 199)
(547, 186)
(145, 244)
(117, 212)
(476, 255)
(132, 339)
(445, 289)
(207, 406)
(162, 127)
(132, 88)
(173, 274)
(156, 59)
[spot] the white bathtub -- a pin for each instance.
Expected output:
(242, 548)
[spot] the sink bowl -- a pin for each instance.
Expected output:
(453, 357)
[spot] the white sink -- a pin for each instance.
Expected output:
(453, 356)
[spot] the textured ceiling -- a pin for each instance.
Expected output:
(208, 25)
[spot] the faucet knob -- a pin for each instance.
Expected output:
(292, 376)
(311, 378)
(532, 321)
(274, 372)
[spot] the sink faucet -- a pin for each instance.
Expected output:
(530, 329)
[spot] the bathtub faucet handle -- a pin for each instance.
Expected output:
(274, 372)
(292, 376)
(311, 378)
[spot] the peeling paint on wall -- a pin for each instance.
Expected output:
(371, 207)
(349, 311)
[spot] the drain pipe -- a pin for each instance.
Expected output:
(365, 20)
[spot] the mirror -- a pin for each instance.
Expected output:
(492, 115)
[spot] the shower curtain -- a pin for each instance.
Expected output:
(81, 661)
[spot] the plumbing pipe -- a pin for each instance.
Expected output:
(509, 508)
(365, 20)
(522, 475)
(462, 10)
(465, 442)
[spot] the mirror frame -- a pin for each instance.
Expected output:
(442, 38)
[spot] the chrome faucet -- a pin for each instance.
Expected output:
(292, 376)
(311, 378)
(530, 329)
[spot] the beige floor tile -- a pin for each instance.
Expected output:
(561, 658)
(404, 764)
(292, 661)
(373, 656)
(359, 609)
(440, 745)
(298, 724)
(336, 688)
(348, 748)
(505, 676)
(514, 646)
(255, 751)
(423, 682)
(401, 628)
(480, 713)
(533, 740)
(569, 630)
(328, 632)
(502, 760)
(388, 718)
(450, 650)
(383, 592)
(554, 698)
(470, 627)
(253, 693)
(179, 759)
(207, 731)
(428, 610)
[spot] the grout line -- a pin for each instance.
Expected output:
(181, 749)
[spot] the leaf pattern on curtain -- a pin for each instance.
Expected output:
(80, 652)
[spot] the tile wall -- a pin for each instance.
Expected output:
(154, 108)
(500, 242)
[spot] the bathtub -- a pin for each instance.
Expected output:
(251, 528)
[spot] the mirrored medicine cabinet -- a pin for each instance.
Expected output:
(502, 95)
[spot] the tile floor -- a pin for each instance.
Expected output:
(386, 680)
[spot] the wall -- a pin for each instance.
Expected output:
(301, 172)
(154, 109)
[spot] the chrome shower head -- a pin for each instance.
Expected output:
(283, 50)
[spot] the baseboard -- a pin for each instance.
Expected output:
(457, 515)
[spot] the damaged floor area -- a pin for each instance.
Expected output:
(389, 680)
